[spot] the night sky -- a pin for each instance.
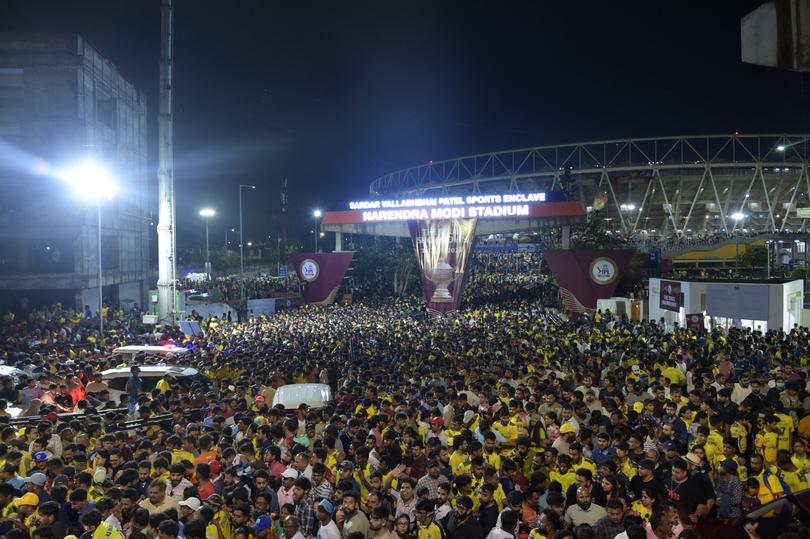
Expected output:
(333, 94)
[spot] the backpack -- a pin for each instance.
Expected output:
(785, 488)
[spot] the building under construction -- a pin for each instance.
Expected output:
(62, 101)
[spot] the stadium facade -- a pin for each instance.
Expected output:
(671, 186)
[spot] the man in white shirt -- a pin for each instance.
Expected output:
(509, 520)
(323, 512)
(741, 389)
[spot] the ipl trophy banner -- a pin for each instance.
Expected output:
(442, 249)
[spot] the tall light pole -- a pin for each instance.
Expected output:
(737, 216)
(91, 180)
(241, 243)
(317, 214)
(207, 213)
(167, 248)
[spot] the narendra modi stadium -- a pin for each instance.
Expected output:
(472, 206)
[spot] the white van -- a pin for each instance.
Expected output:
(292, 396)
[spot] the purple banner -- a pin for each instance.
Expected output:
(321, 274)
(587, 275)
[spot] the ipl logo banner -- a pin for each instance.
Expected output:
(603, 270)
(309, 270)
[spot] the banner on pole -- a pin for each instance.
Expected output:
(670, 296)
(442, 249)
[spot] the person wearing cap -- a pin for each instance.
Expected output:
(35, 483)
(188, 508)
(263, 526)
(327, 528)
(285, 492)
(729, 491)
(24, 510)
(568, 433)
(346, 471)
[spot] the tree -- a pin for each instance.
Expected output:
(754, 256)
(385, 267)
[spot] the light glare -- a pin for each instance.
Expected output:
(90, 180)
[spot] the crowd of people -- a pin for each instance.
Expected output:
(496, 276)
(228, 288)
(504, 420)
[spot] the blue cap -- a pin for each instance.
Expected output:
(40, 456)
(327, 506)
(262, 523)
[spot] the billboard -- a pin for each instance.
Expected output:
(442, 249)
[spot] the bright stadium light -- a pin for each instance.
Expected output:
(317, 214)
(738, 216)
(90, 180)
(780, 148)
(207, 212)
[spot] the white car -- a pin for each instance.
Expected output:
(116, 379)
(292, 396)
(13, 372)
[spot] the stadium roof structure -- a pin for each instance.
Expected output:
(671, 186)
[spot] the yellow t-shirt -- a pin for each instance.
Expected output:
(784, 429)
(766, 442)
(642, 511)
(565, 479)
(794, 480)
(179, 455)
(493, 459)
(431, 531)
(676, 377)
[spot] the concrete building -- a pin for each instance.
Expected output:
(62, 102)
(758, 305)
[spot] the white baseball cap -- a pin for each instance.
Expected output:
(192, 503)
(290, 473)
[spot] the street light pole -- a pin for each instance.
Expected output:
(207, 213)
(100, 276)
(91, 180)
(242, 243)
(317, 215)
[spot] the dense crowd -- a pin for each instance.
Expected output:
(498, 276)
(228, 288)
(504, 421)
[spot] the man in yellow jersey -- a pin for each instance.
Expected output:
(767, 440)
